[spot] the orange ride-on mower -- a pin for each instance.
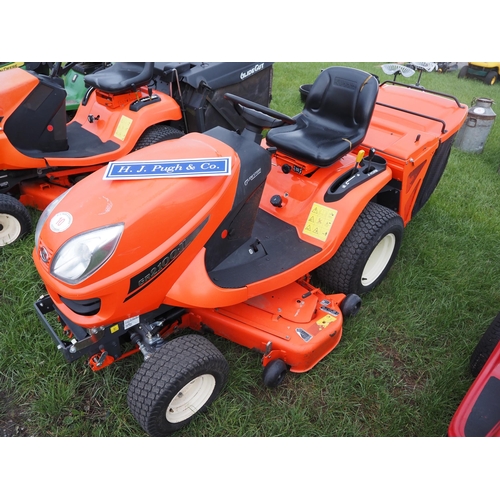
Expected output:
(128, 106)
(478, 415)
(219, 232)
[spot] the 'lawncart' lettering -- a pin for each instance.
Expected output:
(168, 168)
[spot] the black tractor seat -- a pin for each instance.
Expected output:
(335, 118)
(122, 77)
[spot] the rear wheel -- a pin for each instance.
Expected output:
(15, 220)
(485, 347)
(367, 253)
(157, 133)
(490, 78)
(176, 383)
(463, 72)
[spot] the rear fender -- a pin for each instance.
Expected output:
(302, 194)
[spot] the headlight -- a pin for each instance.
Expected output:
(85, 253)
(46, 214)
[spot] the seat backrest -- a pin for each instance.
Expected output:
(342, 98)
(122, 77)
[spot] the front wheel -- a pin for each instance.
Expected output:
(177, 382)
(15, 220)
(367, 253)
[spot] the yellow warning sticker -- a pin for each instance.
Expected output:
(326, 320)
(114, 328)
(320, 221)
(123, 127)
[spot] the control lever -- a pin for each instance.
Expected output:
(354, 171)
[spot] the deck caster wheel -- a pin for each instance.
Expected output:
(274, 373)
(350, 306)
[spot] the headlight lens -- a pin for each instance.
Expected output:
(85, 253)
(46, 214)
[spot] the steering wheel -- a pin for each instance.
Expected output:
(258, 115)
(59, 70)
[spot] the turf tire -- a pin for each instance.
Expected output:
(345, 271)
(157, 133)
(15, 220)
(485, 347)
(154, 393)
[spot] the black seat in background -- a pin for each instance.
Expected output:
(122, 77)
(334, 120)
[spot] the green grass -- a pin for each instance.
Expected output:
(400, 369)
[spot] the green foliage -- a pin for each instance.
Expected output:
(400, 369)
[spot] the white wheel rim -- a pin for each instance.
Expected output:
(190, 399)
(10, 229)
(378, 260)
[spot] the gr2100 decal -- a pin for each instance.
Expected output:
(147, 276)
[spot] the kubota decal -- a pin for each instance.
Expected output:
(320, 221)
(140, 281)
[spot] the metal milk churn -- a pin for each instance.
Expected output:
(477, 126)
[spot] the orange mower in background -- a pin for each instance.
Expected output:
(221, 232)
(127, 106)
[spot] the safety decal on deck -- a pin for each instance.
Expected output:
(122, 128)
(320, 221)
(305, 336)
(326, 320)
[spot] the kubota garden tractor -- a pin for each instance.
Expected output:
(221, 232)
